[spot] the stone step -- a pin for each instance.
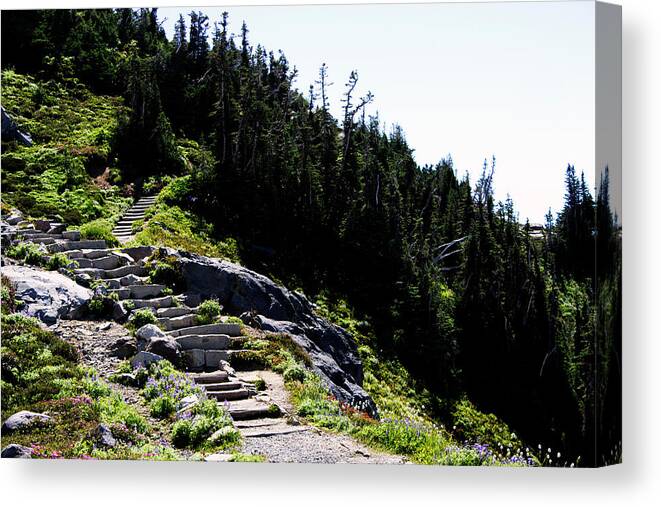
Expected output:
(171, 323)
(273, 430)
(175, 311)
(140, 291)
(65, 246)
(197, 359)
(71, 235)
(119, 230)
(234, 394)
(203, 341)
(241, 410)
(116, 283)
(38, 235)
(261, 423)
(210, 377)
(41, 241)
(107, 262)
(223, 386)
(93, 254)
(130, 269)
(30, 232)
(219, 328)
(162, 302)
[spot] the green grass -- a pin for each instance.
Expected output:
(171, 226)
(404, 427)
(26, 252)
(99, 229)
(72, 130)
(141, 317)
(208, 311)
(42, 373)
(168, 223)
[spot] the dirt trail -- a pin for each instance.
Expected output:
(287, 440)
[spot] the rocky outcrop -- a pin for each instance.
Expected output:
(10, 130)
(151, 339)
(122, 347)
(276, 309)
(23, 419)
(143, 359)
(47, 295)
(103, 437)
(17, 451)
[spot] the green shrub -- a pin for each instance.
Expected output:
(60, 260)
(226, 437)
(260, 384)
(163, 407)
(142, 317)
(473, 425)
(293, 373)
(101, 305)
(176, 191)
(114, 409)
(28, 253)
(99, 229)
(201, 422)
(180, 433)
(208, 311)
(8, 302)
(249, 360)
(167, 274)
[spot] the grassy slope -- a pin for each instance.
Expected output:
(168, 224)
(72, 130)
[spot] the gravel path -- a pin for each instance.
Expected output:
(92, 338)
(287, 440)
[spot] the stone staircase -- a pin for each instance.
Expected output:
(207, 349)
(123, 230)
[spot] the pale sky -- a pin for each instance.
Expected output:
(514, 80)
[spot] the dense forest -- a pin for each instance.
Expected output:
(526, 325)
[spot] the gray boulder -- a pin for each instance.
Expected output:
(10, 130)
(332, 349)
(144, 359)
(123, 347)
(146, 334)
(16, 451)
(23, 419)
(166, 348)
(103, 436)
(150, 338)
(48, 295)
(138, 253)
(42, 225)
(119, 312)
(14, 219)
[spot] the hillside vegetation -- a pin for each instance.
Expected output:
(455, 305)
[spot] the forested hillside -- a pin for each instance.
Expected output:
(438, 275)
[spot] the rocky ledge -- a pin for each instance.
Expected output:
(273, 308)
